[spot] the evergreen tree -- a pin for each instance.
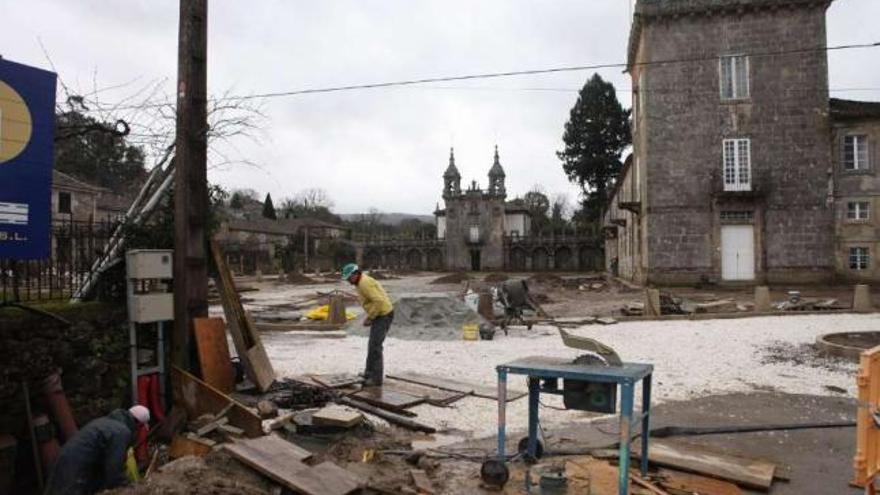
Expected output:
(269, 208)
(595, 137)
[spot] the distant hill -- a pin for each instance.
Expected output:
(392, 219)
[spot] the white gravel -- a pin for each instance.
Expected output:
(690, 358)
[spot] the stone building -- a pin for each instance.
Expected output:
(855, 139)
(475, 221)
(732, 175)
(479, 229)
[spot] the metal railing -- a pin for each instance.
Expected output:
(74, 247)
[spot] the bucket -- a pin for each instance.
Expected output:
(471, 331)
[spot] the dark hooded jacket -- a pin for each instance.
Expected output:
(94, 459)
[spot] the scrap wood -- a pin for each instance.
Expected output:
(213, 425)
(388, 399)
(198, 398)
(431, 395)
(282, 462)
(244, 333)
(646, 484)
(692, 483)
(389, 416)
(298, 326)
(213, 351)
(183, 446)
(335, 380)
(420, 478)
(478, 390)
(335, 415)
(749, 473)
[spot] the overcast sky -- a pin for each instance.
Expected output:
(382, 148)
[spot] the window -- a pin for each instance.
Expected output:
(855, 152)
(737, 216)
(858, 258)
(857, 210)
(737, 165)
(475, 234)
(734, 74)
(64, 202)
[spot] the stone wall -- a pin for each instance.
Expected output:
(861, 186)
(92, 354)
(785, 118)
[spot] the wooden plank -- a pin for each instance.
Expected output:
(334, 415)
(213, 350)
(692, 483)
(199, 398)
(389, 416)
(298, 327)
(420, 479)
(244, 334)
(478, 390)
(749, 473)
(431, 395)
(387, 399)
(182, 446)
(278, 460)
(638, 480)
(334, 380)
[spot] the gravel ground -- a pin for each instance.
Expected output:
(691, 359)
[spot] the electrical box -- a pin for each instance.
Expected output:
(145, 264)
(589, 396)
(150, 308)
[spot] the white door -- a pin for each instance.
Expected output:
(737, 252)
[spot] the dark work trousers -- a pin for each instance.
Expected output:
(378, 330)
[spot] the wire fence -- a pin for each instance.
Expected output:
(74, 248)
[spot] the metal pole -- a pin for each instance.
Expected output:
(191, 180)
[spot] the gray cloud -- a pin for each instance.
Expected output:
(384, 148)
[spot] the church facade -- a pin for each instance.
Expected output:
(475, 222)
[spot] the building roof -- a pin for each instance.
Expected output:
(854, 110)
(451, 170)
(113, 202)
(646, 10)
(62, 180)
(496, 170)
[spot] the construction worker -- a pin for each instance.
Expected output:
(94, 459)
(380, 314)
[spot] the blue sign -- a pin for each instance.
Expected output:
(27, 133)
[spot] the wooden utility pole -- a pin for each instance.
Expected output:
(190, 179)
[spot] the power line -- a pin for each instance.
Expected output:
(497, 75)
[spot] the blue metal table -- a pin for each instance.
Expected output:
(627, 375)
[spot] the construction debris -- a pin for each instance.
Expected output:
(335, 415)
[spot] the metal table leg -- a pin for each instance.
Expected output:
(502, 413)
(646, 421)
(626, 413)
(534, 396)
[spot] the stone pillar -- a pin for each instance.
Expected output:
(862, 299)
(652, 303)
(762, 299)
(337, 310)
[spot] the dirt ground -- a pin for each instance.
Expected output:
(707, 373)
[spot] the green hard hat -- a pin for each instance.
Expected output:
(348, 269)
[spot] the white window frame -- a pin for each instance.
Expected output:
(859, 258)
(736, 164)
(474, 233)
(854, 143)
(858, 210)
(739, 83)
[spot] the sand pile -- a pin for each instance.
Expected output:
(426, 317)
(299, 279)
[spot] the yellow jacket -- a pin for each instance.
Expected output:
(373, 297)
